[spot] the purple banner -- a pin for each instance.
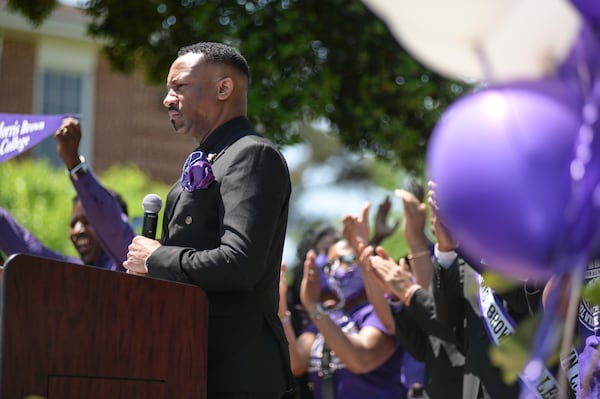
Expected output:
(20, 132)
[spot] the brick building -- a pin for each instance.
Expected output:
(55, 68)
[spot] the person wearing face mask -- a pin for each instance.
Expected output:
(318, 238)
(346, 350)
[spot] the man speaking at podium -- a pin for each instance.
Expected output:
(224, 223)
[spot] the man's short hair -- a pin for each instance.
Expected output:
(219, 53)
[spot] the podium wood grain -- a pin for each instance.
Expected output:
(71, 331)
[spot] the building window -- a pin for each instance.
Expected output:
(61, 93)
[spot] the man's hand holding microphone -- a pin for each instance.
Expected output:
(142, 246)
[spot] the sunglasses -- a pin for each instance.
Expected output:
(347, 258)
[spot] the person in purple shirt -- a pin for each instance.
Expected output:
(99, 228)
(346, 350)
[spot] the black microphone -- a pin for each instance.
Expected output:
(151, 204)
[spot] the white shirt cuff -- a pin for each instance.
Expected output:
(445, 259)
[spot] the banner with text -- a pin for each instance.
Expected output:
(20, 132)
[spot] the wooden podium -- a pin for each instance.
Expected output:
(71, 331)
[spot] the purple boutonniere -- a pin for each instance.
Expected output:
(197, 172)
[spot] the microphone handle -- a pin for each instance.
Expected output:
(149, 225)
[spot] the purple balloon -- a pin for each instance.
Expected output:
(502, 160)
(588, 8)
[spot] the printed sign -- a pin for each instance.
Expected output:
(20, 132)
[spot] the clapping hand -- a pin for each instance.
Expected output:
(394, 278)
(283, 287)
(445, 241)
(310, 288)
(415, 217)
(355, 229)
(382, 229)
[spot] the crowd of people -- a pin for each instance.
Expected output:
(433, 302)
(353, 322)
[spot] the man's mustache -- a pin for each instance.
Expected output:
(173, 107)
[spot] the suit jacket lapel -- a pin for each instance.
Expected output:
(172, 200)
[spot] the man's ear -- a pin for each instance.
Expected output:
(225, 88)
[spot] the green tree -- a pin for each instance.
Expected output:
(310, 59)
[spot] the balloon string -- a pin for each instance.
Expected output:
(570, 322)
(547, 338)
(578, 73)
(485, 64)
(584, 73)
(581, 174)
(585, 136)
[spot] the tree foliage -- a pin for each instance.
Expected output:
(310, 59)
(35, 10)
(40, 199)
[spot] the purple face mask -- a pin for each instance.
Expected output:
(347, 281)
(321, 262)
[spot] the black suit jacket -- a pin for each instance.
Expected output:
(456, 301)
(431, 342)
(228, 239)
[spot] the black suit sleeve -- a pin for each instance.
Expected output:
(417, 321)
(422, 308)
(449, 298)
(410, 335)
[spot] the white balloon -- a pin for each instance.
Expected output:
(483, 40)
